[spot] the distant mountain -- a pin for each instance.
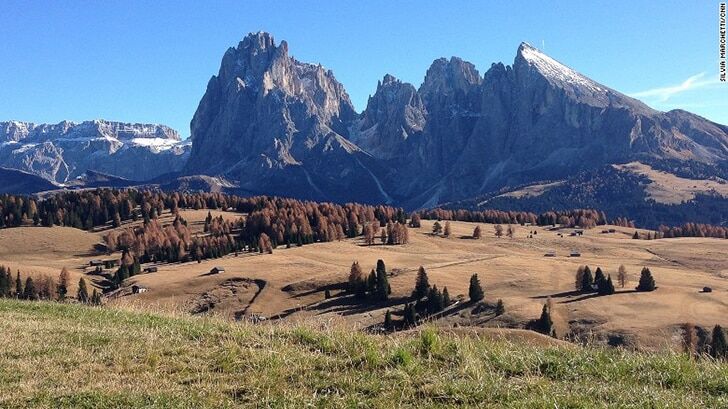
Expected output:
(276, 125)
(270, 124)
(19, 182)
(64, 151)
(279, 126)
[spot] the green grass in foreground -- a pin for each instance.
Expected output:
(72, 356)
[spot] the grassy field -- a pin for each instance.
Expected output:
(57, 355)
(291, 282)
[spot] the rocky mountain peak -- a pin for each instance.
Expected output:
(446, 77)
(530, 59)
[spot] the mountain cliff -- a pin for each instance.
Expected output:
(270, 124)
(280, 126)
(64, 151)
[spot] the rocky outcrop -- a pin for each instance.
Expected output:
(271, 124)
(280, 126)
(66, 150)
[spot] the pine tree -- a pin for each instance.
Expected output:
(545, 322)
(476, 290)
(605, 287)
(18, 286)
(587, 281)
(445, 298)
(498, 230)
(447, 230)
(63, 284)
(95, 298)
(646, 283)
(410, 316)
(382, 289)
(327, 294)
(436, 228)
(30, 292)
(422, 284)
(372, 283)
(579, 278)
(388, 324)
(500, 308)
(599, 278)
(82, 294)
(434, 300)
(636, 235)
(718, 343)
(4, 284)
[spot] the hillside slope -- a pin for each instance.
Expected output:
(73, 356)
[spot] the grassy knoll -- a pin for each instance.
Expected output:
(56, 355)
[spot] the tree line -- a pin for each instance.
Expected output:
(571, 218)
(44, 287)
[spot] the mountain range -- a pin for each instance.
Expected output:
(270, 124)
(63, 152)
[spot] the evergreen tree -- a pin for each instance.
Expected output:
(18, 286)
(422, 284)
(95, 298)
(718, 343)
(436, 228)
(476, 290)
(82, 294)
(434, 300)
(410, 316)
(498, 230)
(578, 278)
(388, 324)
(383, 289)
(545, 322)
(30, 292)
(605, 287)
(587, 281)
(500, 308)
(599, 278)
(446, 298)
(646, 283)
(372, 283)
(4, 284)
(599, 275)
(327, 294)
(636, 235)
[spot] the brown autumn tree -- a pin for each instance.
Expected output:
(498, 230)
(477, 233)
(622, 275)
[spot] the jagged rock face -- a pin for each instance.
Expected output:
(451, 91)
(278, 126)
(275, 125)
(66, 150)
(394, 114)
(541, 120)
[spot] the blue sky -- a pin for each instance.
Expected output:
(149, 61)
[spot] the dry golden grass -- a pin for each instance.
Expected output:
(70, 356)
(514, 270)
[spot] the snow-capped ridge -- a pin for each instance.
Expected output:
(555, 70)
